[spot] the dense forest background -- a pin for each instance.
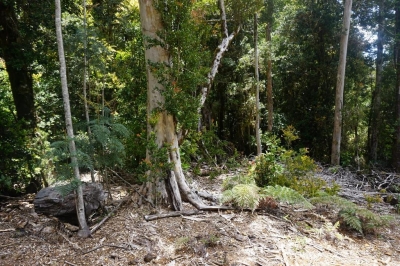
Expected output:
(298, 48)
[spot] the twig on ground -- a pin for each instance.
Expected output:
(170, 214)
(69, 263)
(7, 230)
(97, 226)
(74, 245)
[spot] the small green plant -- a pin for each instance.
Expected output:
(333, 190)
(210, 241)
(290, 134)
(244, 196)
(372, 199)
(182, 242)
(286, 194)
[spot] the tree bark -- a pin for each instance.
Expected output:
(172, 185)
(376, 100)
(13, 48)
(257, 83)
(396, 148)
(270, 100)
(80, 208)
(337, 129)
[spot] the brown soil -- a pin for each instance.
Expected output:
(286, 236)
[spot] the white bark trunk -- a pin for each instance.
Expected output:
(80, 208)
(165, 127)
(222, 48)
(337, 130)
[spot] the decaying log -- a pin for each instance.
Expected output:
(49, 201)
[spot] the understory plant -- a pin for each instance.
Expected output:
(353, 216)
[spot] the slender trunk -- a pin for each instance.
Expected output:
(376, 101)
(161, 126)
(337, 129)
(257, 80)
(270, 100)
(80, 207)
(222, 48)
(396, 148)
(85, 66)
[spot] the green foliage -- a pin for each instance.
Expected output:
(278, 166)
(267, 167)
(235, 180)
(286, 194)
(354, 216)
(245, 196)
(333, 190)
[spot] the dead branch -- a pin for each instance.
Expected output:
(97, 226)
(170, 214)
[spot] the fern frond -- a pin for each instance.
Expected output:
(350, 217)
(245, 196)
(286, 194)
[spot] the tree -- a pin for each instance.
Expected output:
(337, 130)
(396, 148)
(257, 82)
(171, 75)
(80, 207)
(161, 125)
(270, 100)
(376, 98)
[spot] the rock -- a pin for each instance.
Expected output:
(50, 201)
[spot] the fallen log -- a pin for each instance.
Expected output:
(50, 201)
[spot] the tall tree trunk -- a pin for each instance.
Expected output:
(269, 13)
(80, 208)
(396, 148)
(337, 129)
(85, 79)
(171, 185)
(376, 100)
(270, 100)
(257, 81)
(13, 48)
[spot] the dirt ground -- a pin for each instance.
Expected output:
(286, 236)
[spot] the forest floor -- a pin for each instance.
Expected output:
(286, 236)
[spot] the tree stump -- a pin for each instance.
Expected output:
(50, 201)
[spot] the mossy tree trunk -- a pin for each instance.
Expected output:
(169, 183)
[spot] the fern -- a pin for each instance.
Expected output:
(245, 196)
(360, 219)
(286, 194)
(350, 217)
